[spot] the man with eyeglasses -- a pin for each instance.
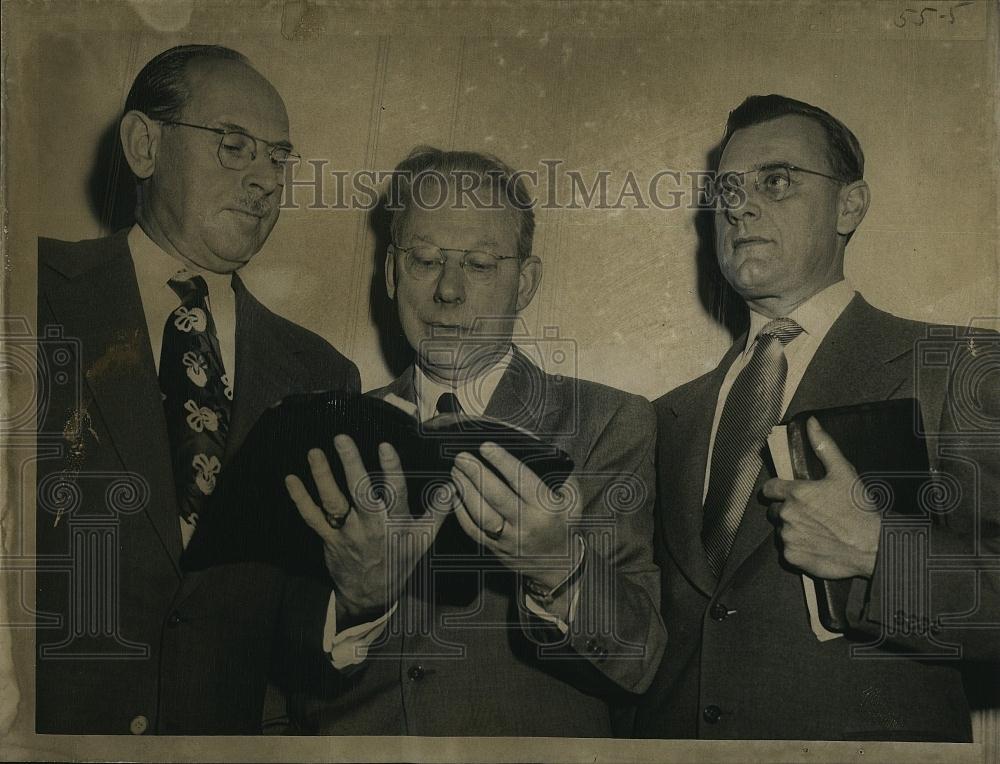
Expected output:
(178, 359)
(733, 540)
(561, 620)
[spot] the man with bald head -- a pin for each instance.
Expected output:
(178, 361)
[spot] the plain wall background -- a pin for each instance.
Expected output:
(613, 86)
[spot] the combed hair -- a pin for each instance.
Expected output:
(847, 160)
(506, 188)
(161, 89)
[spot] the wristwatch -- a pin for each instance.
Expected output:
(544, 595)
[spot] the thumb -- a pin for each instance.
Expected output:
(826, 448)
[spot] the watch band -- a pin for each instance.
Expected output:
(544, 595)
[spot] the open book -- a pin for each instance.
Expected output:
(882, 441)
(250, 517)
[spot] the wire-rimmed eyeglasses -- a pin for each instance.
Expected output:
(238, 149)
(727, 190)
(425, 262)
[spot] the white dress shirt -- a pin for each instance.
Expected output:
(474, 394)
(153, 269)
(816, 315)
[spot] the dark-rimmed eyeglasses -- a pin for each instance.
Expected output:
(727, 190)
(425, 262)
(238, 149)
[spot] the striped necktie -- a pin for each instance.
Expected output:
(752, 408)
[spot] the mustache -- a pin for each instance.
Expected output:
(254, 204)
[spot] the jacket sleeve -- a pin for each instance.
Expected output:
(616, 637)
(935, 591)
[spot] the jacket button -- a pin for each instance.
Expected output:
(415, 672)
(711, 714)
(175, 619)
(139, 725)
(719, 612)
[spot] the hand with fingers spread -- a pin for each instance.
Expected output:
(523, 522)
(355, 533)
(824, 529)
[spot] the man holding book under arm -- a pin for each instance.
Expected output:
(745, 660)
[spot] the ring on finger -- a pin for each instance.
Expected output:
(495, 535)
(335, 521)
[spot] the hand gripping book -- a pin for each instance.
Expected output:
(250, 517)
(882, 441)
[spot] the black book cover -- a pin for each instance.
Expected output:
(882, 440)
(250, 517)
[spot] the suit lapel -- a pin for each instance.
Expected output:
(525, 397)
(268, 365)
(854, 364)
(103, 306)
(682, 474)
(402, 387)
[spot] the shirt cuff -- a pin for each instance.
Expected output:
(545, 615)
(350, 646)
(574, 586)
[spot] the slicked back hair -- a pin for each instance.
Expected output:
(847, 160)
(161, 89)
(491, 178)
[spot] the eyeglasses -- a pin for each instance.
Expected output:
(238, 149)
(728, 190)
(425, 262)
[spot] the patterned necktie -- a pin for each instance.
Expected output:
(752, 408)
(448, 403)
(197, 395)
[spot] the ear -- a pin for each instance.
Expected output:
(854, 200)
(390, 272)
(530, 278)
(140, 137)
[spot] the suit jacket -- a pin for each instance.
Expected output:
(488, 667)
(743, 661)
(126, 641)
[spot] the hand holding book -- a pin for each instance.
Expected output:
(524, 522)
(839, 481)
(354, 530)
(827, 528)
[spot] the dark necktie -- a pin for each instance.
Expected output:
(752, 408)
(197, 395)
(448, 403)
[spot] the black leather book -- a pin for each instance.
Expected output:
(250, 517)
(882, 440)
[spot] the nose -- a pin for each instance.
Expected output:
(749, 209)
(262, 175)
(451, 284)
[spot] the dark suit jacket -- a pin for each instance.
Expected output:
(126, 642)
(487, 668)
(742, 646)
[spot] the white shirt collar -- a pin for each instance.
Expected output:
(154, 265)
(816, 315)
(474, 393)
(153, 269)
